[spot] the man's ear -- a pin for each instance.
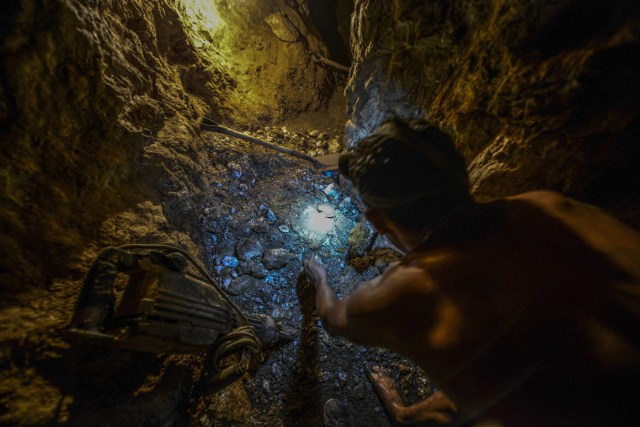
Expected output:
(378, 219)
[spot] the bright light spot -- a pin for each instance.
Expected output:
(319, 219)
(202, 21)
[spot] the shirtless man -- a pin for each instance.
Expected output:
(525, 310)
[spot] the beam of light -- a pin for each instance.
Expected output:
(319, 219)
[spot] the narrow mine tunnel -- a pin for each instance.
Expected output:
(101, 109)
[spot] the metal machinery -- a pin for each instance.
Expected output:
(165, 309)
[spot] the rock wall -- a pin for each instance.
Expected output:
(86, 93)
(99, 107)
(537, 94)
(268, 51)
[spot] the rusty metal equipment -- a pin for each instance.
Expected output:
(165, 309)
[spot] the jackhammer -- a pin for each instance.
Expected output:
(165, 309)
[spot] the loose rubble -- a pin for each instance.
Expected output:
(259, 216)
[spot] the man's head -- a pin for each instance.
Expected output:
(409, 170)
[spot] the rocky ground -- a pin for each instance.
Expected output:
(264, 214)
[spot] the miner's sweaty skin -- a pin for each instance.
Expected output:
(530, 303)
(531, 319)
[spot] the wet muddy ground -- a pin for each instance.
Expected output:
(264, 214)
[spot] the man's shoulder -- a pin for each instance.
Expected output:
(406, 278)
(598, 229)
(557, 205)
(404, 272)
(542, 197)
(560, 206)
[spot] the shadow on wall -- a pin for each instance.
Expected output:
(332, 19)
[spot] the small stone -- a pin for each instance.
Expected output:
(347, 204)
(258, 271)
(247, 249)
(292, 184)
(284, 228)
(243, 285)
(271, 217)
(235, 170)
(359, 391)
(327, 377)
(230, 261)
(276, 258)
(329, 189)
(221, 270)
(277, 371)
(260, 227)
(361, 238)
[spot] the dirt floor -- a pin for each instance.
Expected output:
(258, 217)
(262, 215)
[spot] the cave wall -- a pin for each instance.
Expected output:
(100, 100)
(86, 93)
(268, 48)
(99, 107)
(537, 94)
(95, 94)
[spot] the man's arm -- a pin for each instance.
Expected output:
(331, 310)
(375, 312)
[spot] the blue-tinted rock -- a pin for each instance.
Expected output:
(245, 286)
(284, 228)
(276, 258)
(247, 249)
(235, 170)
(230, 261)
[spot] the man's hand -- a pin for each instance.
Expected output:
(315, 271)
(329, 308)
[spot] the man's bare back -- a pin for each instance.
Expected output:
(508, 307)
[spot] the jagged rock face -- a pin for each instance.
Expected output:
(99, 103)
(537, 94)
(99, 108)
(267, 50)
(86, 94)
